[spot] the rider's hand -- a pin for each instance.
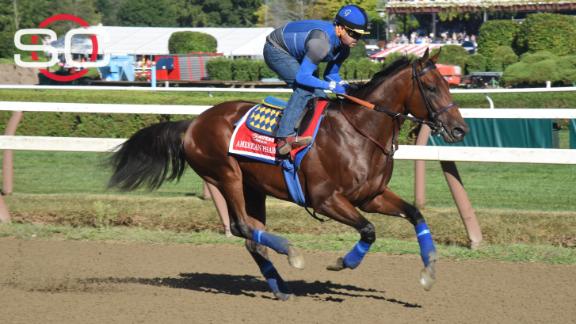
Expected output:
(337, 88)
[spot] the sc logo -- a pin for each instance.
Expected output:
(54, 52)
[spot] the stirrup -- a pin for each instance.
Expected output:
(285, 145)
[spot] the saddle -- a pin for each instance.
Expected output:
(265, 117)
(254, 134)
(253, 137)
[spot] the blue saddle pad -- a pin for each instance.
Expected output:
(265, 117)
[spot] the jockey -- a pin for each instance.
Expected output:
(294, 51)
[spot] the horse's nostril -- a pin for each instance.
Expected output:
(458, 133)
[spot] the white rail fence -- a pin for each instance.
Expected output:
(407, 152)
(446, 155)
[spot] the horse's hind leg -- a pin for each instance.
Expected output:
(232, 188)
(256, 209)
(391, 204)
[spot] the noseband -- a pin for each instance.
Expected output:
(433, 122)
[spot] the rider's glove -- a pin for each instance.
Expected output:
(337, 88)
(345, 85)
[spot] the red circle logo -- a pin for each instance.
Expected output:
(93, 56)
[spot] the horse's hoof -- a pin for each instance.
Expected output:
(338, 266)
(284, 297)
(428, 274)
(295, 258)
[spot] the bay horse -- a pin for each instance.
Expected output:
(348, 167)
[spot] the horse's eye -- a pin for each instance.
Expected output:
(431, 88)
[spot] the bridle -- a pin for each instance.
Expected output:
(433, 122)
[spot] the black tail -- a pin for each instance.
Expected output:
(151, 156)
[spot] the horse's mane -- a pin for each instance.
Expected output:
(379, 77)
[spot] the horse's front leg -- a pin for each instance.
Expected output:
(391, 204)
(339, 208)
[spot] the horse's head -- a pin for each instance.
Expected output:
(430, 100)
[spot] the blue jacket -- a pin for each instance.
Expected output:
(295, 37)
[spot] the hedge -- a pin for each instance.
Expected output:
(6, 44)
(503, 56)
(495, 33)
(254, 70)
(84, 125)
(477, 63)
(187, 42)
(535, 69)
(550, 32)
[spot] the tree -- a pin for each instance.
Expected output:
(547, 32)
(6, 28)
(108, 11)
(277, 12)
(148, 13)
(218, 13)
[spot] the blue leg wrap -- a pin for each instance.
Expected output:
(275, 282)
(425, 241)
(275, 242)
(355, 256)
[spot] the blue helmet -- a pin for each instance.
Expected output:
(353, 17)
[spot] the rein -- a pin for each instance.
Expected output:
(432, 122)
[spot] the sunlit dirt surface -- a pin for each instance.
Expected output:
(95, 282)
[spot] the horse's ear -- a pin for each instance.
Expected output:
(435, 57)
(424, 57)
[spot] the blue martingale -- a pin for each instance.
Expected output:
(265, 117)
(425, 241)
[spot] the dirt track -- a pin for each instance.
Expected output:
(88, 282)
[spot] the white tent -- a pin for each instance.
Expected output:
(247, 42)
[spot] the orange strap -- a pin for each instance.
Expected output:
(360, 101)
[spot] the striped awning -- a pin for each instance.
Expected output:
(415, 49)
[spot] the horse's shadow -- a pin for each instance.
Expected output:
(250, 286)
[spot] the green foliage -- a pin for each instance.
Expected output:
(531, 58)
(495, 33)
(535, 69)
(550, 32)
(219, 68)
(187, 42)
(567, 69)
(218, 13)
(6, 44)
(365, 69)
(477, 63)
(152, 13)
(348, 70)
(358, 52)
(253, 70)
(503, 56)
(264, 70)
(245, 70)
(83, 125)
(452, 54)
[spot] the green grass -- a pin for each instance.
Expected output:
(130, 97)
(328, 242)
(489, 185)
(527, 211)
(508, 100)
